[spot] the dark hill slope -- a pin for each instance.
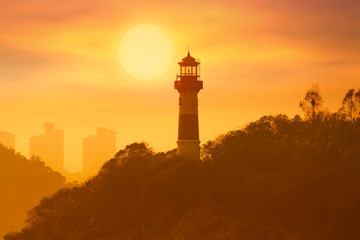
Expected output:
(278, 179)
(23, 183)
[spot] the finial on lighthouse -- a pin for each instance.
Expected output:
(188, 86)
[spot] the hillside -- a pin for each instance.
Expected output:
(23, 182)
(275, 179)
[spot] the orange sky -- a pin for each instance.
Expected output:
(59, 63)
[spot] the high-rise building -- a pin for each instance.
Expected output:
(188, 85)
(49, 147)
(7, 139)
(98, 149)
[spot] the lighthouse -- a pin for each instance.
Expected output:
(188, 85)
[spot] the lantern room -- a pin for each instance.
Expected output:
(189, 67)
(188, 79)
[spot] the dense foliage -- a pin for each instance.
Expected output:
(23, 182)
(277, 178)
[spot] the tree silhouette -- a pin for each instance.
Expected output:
(312, 103)
(351, 105)
(23, 182)
(275, 179)
(278, 178)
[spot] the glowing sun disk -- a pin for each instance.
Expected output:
(146, 51)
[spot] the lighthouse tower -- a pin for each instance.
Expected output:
(188, 85)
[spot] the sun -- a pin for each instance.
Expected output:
(146, 51)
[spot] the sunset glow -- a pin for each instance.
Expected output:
(153, 119)
(60, 63)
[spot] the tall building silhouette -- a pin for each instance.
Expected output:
(98, 149)
(49, 147)
(188, 85)
(7, 139)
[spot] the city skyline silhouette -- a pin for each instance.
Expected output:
(49, 147)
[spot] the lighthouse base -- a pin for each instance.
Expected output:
(189, 148)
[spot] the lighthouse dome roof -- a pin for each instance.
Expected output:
(188, 61)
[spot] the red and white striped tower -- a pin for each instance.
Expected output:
(188, 85)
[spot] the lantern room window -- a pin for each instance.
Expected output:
(194, 71)
(188, 71)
